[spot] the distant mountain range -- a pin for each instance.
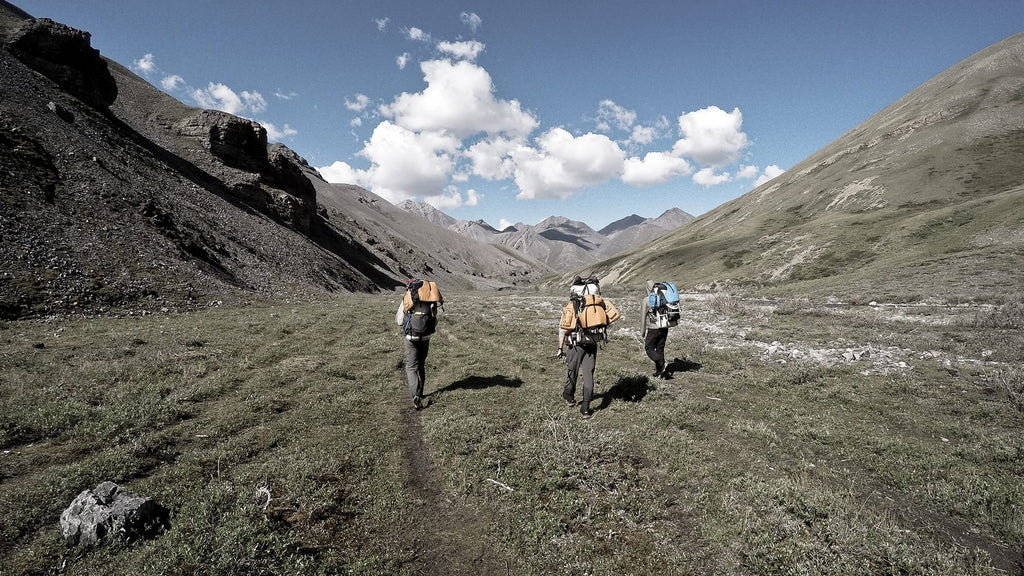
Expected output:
(557, 241)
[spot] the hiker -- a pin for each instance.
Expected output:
(582, 327)
(417, 314)
(662, 312)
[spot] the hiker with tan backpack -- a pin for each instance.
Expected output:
(584, 325)
(417, 315)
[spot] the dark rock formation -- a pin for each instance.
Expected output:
(65, 56)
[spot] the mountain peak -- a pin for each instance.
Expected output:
(621, 224)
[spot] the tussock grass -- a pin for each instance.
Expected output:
(282, 439)
(726, 304)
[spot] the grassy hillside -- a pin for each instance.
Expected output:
(921, 201)
(795, 438)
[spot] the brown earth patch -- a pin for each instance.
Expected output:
(448, 538)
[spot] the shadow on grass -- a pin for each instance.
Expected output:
(627, 389)
(481, 383)
(682, 365)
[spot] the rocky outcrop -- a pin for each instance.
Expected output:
(268, 178)
(110, 512)
(66, 56)
(238, 142)
(297, 201)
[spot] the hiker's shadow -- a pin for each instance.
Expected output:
(682, 365)
(481, 383)
(627, 389)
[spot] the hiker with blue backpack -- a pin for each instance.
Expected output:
(662, 312)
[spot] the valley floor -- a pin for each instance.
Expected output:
(795, 437)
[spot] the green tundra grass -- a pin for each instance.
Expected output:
(282, 439)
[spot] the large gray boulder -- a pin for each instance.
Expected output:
(108, 511)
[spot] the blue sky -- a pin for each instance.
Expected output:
(515, 111)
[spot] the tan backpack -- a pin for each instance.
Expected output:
(587, 314)
(420, 303)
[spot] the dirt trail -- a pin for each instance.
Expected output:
(446, 536)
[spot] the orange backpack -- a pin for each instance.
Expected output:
(588, 316)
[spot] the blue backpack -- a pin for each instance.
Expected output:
(663, 304)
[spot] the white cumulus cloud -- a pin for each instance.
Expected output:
(711, 136)
(459, 99)
(654, 168)
(747, 172)
(407, 164)
(254, 101)
(341, 173)
(417, 35)
(220, 97)
(769, 173)
(452, 198)
(491, 158)
(357, 104)
(276, 135)
(610, 115)
(172, 82)
(146, 64)
(643, 135)
(707, 177)
(467, 50)
(562, 165)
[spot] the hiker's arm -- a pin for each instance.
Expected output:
(561, 341)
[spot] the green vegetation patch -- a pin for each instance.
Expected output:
(283, 440)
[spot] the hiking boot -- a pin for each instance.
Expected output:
(417, 402)
(665, 376)
(586, 415)
(570, 402)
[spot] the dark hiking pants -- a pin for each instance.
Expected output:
(654, 345)
(580, 358)
(416, 365)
